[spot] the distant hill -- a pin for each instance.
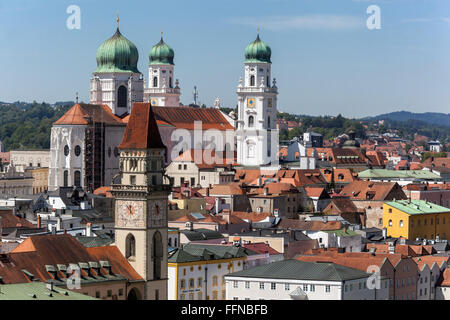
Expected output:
(442, 119)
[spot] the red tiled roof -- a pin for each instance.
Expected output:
(261, 247)
(184, 117)
(252, 216)
(340, 205)
(294, 224)
(316, 192)
(358, 190)
(9, 220)
(40, 250)
(83, 114)
(341, 175)
(231, 188)
(142, 131)
(103, 191)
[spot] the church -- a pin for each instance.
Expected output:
(85, 141)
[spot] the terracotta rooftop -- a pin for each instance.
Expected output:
(38, 252)
(184, 117)
(9, 220)
(142, 131)
(252, 216)
(83, 114)
(295, 224)
(370, 190)
(232, 188)
(340, 205)
(316, 192)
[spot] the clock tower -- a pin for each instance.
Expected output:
(256, 129)
(141, 201)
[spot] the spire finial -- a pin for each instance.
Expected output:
(257, 30)
(117, 19)
(76, 97)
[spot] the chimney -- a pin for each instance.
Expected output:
(59, 223)
(38, 225)
(226, 216)
(292, 234)
(50, 285)
(384, 232)
(88, 229)
(266, 191)
(207, 192)
(259, 181)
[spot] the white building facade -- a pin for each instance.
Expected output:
(256, 133)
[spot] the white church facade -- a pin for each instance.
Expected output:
(84, 142)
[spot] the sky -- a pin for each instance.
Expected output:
(324, 57)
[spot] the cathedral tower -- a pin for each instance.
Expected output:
(257, 108)
(117, 82)
(162, 89)
(141, 201)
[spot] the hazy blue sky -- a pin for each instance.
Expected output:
(325, 59)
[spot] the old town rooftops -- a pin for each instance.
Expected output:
(48, 257)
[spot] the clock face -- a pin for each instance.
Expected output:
(130, 214)
(251, 102)
(154, 102)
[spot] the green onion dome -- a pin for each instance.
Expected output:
(161, 53)
(258, 51)
(117, 54)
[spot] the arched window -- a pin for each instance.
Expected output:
(251, 121)
(252, 81)
(157, 255)
(77, 178)
(155, 82)
(170, 242)
(66, 178)
(401, 224)
(66, 150)
(122, 97)
(170, 82)
(268, 82)
(268, 122)
(390, 223)
(77, 150)
(130, 246)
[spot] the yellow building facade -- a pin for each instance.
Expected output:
(414, 219)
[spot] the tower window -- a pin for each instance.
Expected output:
(268, 122)
(155, 82)
(252, 81)
(157, 255)
(170, 82)
(66, 178)
(130, 246)
(66, 150)
(268, 82)
(132, 180)
(77, 178)
(251, 121)
(122, 97)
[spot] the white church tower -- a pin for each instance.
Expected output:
(162, 89)
(256, 132)
(117, 82)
